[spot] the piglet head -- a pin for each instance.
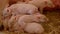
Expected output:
(41, 18)
(6, 12)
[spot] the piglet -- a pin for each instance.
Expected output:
(33, 18)
(23, 8)
(41, 4)
(34, 28)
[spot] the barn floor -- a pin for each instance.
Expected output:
(51, 27)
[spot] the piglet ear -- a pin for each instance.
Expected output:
(9, 10)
